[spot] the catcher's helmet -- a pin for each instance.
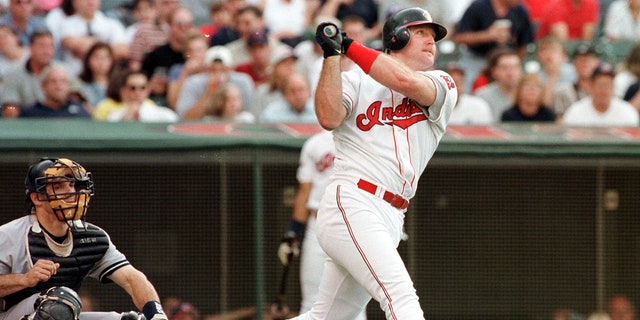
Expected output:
(69, 203)
(395, 33)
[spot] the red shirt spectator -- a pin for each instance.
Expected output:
(536, 9)
(570, 19)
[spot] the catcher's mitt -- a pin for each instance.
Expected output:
(58, 303)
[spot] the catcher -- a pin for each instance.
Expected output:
(48, 252)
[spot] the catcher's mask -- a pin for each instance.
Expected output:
(64, 183)
(395, 32)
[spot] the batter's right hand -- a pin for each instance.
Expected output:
(288, 250)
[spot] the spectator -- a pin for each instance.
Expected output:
(619, 307)
(219, 17)
(536, 9)
(22, 21)
(570, 20)
(506, 70)
(11, 53)
(288, 20)
(150, 35)
(488, 24)
(96, 72)
(229, 33)
(469, 109)
(555, 66)
(157, 63)
(283, 63)
(113, 101)
(135, 104)
(629, 73)
(226, 105)
(195, 49)
(57, 102)
(144, 12)
(295, 106)
(368, 10)
(622, 22)
(260, 64)
(439, 10)
(601, 107)
(198, 88)
(598, 316)
(54, 21)
(88, 25)
(42, 7)
(184, 311)
(529, 102)
(585, 60)
(21, 84)
(249, 21)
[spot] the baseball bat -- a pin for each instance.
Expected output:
(330, 31)
(279, 309)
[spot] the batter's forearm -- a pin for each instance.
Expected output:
(300, 211)
(328, 98)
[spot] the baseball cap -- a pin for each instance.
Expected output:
(585, 49)
(282, 54)
(256, 38)
(604, 69)
(219, 54)
(453, 66)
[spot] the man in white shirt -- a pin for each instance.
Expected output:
(602, 107)
(470, 110)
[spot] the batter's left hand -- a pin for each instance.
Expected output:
(330, 38)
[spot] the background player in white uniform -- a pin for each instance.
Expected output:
(387, 120)
(314, 172)
(52, 247)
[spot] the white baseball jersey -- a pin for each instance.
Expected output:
(386, 138)
(316, 165)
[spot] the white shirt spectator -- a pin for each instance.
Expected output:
(101, 28)
(471, 110)
(582, 113)
(619, 24)
(148, 112)
(285, 16)
(622, 81)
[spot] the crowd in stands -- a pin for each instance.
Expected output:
(575, 62)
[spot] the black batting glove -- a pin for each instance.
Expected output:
(330, 38)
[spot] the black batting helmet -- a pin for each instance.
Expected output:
(395, 33)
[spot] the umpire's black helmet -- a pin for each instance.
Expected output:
(395, 34)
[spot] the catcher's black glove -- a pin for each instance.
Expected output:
(57, 303)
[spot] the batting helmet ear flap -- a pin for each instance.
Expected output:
(399, 38)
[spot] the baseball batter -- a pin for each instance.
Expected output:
(314, 173)
(387, 120)
(48, 252)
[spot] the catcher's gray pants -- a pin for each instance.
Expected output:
(25, 307)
